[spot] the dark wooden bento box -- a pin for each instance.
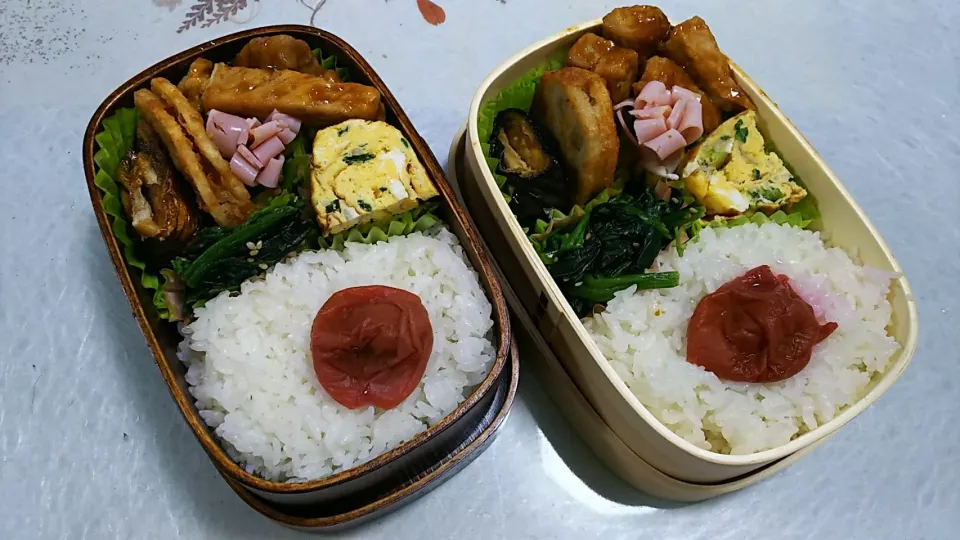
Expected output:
(162, 337)
(399, 491)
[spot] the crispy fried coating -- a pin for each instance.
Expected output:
(617, 65)
(191, 120)
(195, 81)
(641, 28)
(575, 106)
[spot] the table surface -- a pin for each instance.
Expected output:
(92, 446)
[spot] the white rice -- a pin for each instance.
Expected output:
(251, 372)
(643, 335)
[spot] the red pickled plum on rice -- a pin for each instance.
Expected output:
(370, 345)
(755, 328)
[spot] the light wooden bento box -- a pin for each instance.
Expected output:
(843, 223)
(581, 415)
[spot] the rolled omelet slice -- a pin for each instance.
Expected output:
(730, 171)
(364, 171)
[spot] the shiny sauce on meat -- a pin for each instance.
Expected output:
(370, 346)
(755, 328)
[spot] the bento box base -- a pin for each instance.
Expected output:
(841, 224)
(403, 488)
(565, 394)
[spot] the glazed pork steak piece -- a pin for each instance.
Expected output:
(314, 100)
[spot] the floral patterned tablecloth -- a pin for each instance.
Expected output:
(209, 12)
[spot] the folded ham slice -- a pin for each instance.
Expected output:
(285, 120)
(676, 113)
(254, 148)
(270, 175)
(227, 131)
(678, 93)
(652, 112)
(263, 133)
(666, 144)
(666, 121)
(691, 123)
(654, 94)
(245, 170)
(649, 128)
